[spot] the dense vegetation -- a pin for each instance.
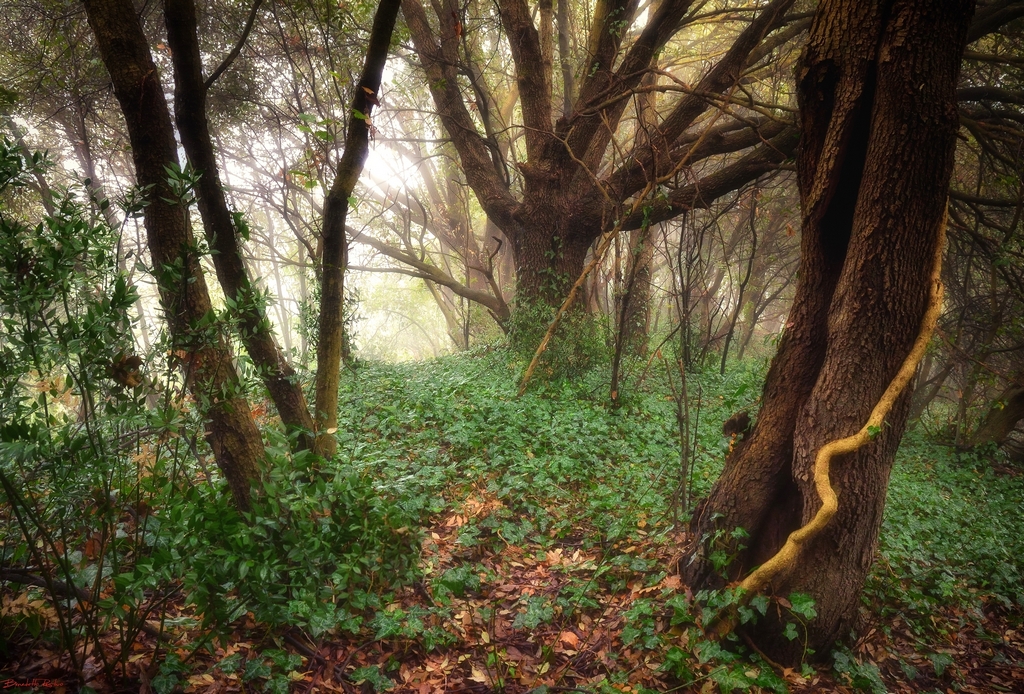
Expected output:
(511, 345)
(463, 538)
(522, 540)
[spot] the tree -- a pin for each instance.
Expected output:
(1003, 415)
(335, 255)
(573, 181)
(223, 228)
(197, 341)
(153, 143)
(876, 85)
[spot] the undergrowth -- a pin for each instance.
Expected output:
(951, 535)
(115, 525)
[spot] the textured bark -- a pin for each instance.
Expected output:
(637, 307)
(255, 328)
(876, 86)
(331, 338)
(1002, 417)
(199, 346)
(565, 59)
(566, 200)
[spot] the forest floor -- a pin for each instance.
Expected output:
(545, 561)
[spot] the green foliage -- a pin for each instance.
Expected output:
(372, 676)
(101, 492)
(861, 676)
(733, 667)
(576, 347)
(167, 678)
(950, 535)
(456, 581)
(70, 412)
(309, 554)
(640, 630)
(538, 610)
(97, 487)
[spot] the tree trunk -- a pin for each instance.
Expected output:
(331, 338)
(637, 311)
(546, 264)
(878, 124)
(1003, 415)
(567, 196)
(198, 345)
(283, 316)
(249, 306)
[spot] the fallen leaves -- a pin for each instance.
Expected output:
(574, 643)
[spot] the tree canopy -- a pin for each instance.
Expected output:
(599, 230)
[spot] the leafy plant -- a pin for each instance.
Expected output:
(861, 676)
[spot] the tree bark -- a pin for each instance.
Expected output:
(198, 342)
(567, 199)
(878, 117)
(1003, 415)
(335, 255)
(249, 306)
(637, 310)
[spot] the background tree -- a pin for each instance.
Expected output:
(225, 230)
(568, 180)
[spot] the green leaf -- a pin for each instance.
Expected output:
(371, 674)
(760, 603)
(940, 661)
(230, 664)
(803, 605)
(255, 669)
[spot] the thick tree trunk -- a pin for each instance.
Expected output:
(878, 122)
(1003, 415)
(567, 199)
(546, 264)
(255, 328)
(200, 347)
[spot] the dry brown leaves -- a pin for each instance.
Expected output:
(574, 650)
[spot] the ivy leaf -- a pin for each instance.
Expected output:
(803, 605)
(760, 603)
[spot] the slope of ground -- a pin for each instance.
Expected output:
(468, 540)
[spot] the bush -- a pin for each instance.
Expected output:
(576, 347)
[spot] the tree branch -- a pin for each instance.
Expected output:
(702, 193)
(438, 62)
(226, 63)
(330, 348)
(424, 270)
(533, 79)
